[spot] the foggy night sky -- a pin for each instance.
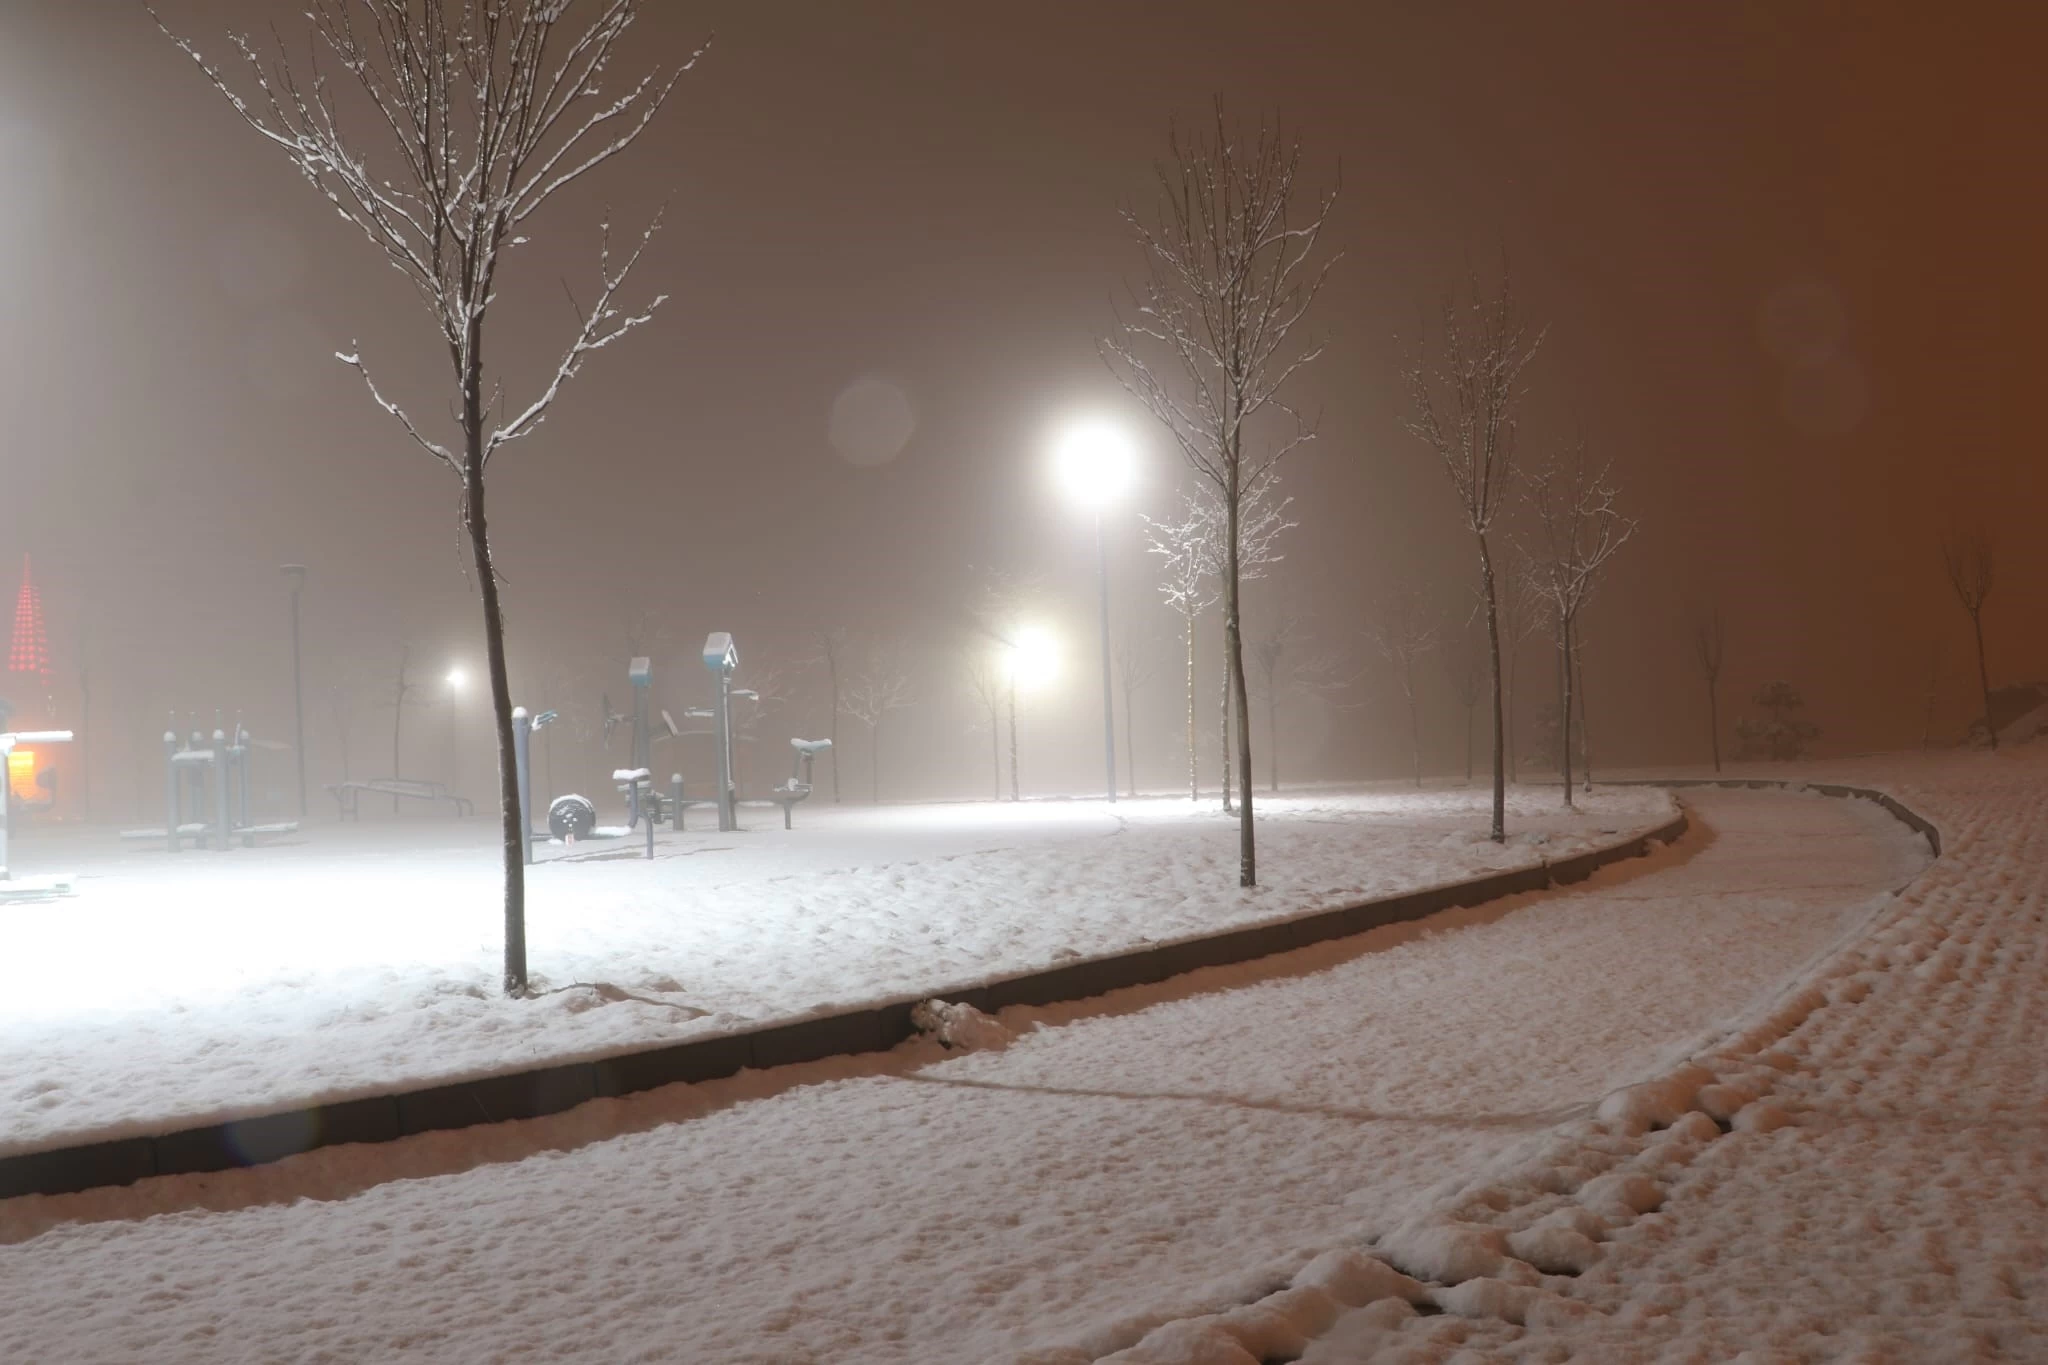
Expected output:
(929, 193)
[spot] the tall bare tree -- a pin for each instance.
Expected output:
(1136, 656)
(1466, 667)
(1270, 653)
(1404, 630)
(473, 116)
(1185, 585)
(878, 689)
(1191, 581)
(1966, 555)
(1464, 394)
(1707, 646)
(1233, 267)
(987, 683)
(1521, 614)
(1579, 527)
(828, 651)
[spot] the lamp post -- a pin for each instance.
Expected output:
(455, 680)
(1030, 659)
(1096, 464)
(297, 574)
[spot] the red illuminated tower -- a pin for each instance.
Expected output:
(30, 651)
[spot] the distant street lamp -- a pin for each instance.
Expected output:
(1096, 464)
(1030, 660)
(297, 574)
(456, 678)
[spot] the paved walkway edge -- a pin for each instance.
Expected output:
(553, 1089)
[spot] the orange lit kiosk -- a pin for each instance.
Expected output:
(19, 776)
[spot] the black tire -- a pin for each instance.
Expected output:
(571, 817)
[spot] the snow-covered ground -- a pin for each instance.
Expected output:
(1123, 1161)
(1856, 1173)
(175, 991)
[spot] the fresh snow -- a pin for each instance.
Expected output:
(176, 991)
(1069, 1180)
(1853, 1171)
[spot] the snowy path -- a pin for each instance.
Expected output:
(180, 991)
(1890, 1200)
(1147, 1154)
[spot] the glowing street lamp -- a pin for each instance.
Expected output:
(1095, 464)
(456, 680)
(1030, 659)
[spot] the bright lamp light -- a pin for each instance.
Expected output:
(456, 678)
(1031, 658)
(1095, 463)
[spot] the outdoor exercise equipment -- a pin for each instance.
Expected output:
(211, 785)
(28, 888)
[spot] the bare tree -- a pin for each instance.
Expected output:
(1233, 270)
(764, 692)
(1136, 657)
(879, 688)
(1578, 530)
(1966, 555)
(1270, 653)
(828, 651)
(988, 685)
(1707, 648)
(1188, 589)
(1403, 632)
(480, 115)
(1467, 669)
(1521, 614)
(1464, 398)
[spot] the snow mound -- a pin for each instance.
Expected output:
(1447, 1252)
(1658, 1103)
(1355, 1279)
(961, 1026)
(1555, 1250)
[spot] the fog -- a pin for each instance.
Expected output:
(1787, 257)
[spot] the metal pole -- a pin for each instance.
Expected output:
(172, 790)
(1108, 702)
(220, 789)
(727, 820)
(298, 577)
(522, 746)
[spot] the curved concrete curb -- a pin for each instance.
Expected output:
(552, 1089)
(1898, 809)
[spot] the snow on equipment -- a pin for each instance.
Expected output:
(29, 888)
(211, 785)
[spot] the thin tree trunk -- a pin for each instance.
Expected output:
(1468, 746)
(1984, 675)
(1223, 708)
(1585, 733)
(1500, 781)
(512, 845)
(1508, 695)
(1564, 699)
(875, 764)
(995, 752)
(1233, 632)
